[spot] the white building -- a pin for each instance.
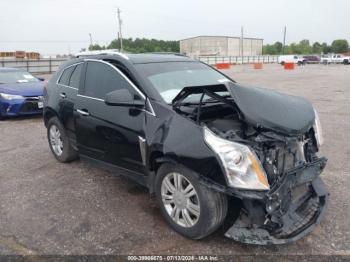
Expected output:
(221, 46)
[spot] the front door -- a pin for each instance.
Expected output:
(108, 133)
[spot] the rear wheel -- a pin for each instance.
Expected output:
(190, 208)
(282, 63)
(346, 62)
(59, 142)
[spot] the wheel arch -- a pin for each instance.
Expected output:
(156, 159)
(48, 114)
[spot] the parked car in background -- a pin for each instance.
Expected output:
(335, 59)
(209, 149)
(299, 60)
(21, 93)
(311, 59)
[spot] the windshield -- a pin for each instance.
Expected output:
(10, 77)
(171, 77)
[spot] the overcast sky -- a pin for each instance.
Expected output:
(51, 27)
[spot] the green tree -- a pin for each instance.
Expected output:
(142, 45)
(316, 48)
(326, 48)
(274, 49)
(278, 47)
(96, 47)
(340, 46)
(304, 47)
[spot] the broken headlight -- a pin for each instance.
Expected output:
(242, 166)
(318, 130)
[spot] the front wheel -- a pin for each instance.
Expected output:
(190, 208)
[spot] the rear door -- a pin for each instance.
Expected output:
(108, 133)
(69, 83)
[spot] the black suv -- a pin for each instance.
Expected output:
(209, 149)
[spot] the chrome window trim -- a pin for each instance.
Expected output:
(151, 112)
(90, 97)
(68, 86)
(101, 100)
(121, 73)
(59, 78)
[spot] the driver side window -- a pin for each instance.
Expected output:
(101, 79)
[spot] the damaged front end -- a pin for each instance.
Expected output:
(278, 137)
(290, 210)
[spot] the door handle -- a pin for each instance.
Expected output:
(63, 95)
(83, 112)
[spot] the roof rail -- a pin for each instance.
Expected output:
(101, 52)
(166, 53)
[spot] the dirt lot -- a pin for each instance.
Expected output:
(52, 208)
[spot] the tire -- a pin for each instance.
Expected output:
(282, 63)
(59, 144)
(299, 63)
(346, 62)
(212, 205)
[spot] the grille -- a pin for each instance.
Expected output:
(30, 107)
(34, 98)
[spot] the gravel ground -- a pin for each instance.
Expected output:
(51, 208)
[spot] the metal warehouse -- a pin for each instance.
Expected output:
(221, 46)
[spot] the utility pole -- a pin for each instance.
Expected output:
(242, 43)
(120, 36)
(284, 39)
(90, 39)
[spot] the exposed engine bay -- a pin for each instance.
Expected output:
(297, 197)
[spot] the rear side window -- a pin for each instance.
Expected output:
(102, 79)
(75, 77)
(64, 79)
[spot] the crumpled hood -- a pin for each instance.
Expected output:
(23, 89)
(260, 107)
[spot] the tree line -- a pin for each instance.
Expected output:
(304, 47)
(144, 45)
(141, 45)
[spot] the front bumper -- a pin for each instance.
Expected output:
(27, 106)
(289, 211)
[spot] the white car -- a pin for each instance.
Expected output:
(335, 59)
(299, 60)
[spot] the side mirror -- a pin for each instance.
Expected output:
(123, 97)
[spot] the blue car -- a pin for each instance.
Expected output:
(20, 93)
